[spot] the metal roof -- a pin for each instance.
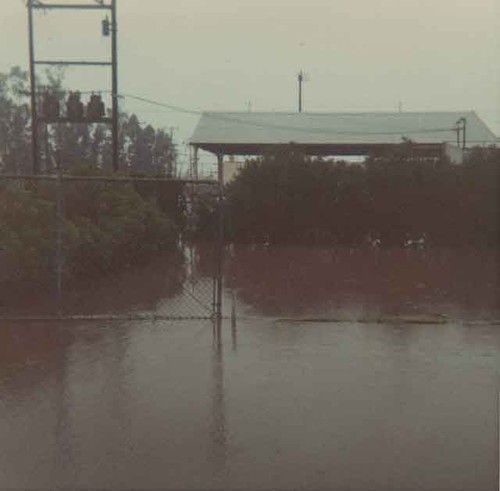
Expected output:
(231, 132)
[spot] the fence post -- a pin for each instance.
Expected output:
(233, 321)
(220, 235)
(59, 239)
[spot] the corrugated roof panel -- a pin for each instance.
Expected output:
(338, 128)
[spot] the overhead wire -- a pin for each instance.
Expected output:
(230, 119)
(162, 104)
(236, 120)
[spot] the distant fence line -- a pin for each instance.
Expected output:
(65, 177)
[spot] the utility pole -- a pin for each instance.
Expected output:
(300, 80)
(107, 29)
(171, 167)
(464, 124)
(34, 114)
(461, 126)
(114, 89)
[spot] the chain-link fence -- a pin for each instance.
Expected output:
(87, 246)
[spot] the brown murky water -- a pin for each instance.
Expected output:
(348, 370)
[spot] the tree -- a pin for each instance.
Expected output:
(15, 131)
(72, 145)
(395, 199)
(147, 149)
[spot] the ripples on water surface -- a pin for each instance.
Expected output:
(286, 401)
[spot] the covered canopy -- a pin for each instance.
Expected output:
(329, 134)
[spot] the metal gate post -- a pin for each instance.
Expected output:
(59, 240)
(220, 237)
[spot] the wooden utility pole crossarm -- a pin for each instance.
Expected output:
(74, 62)
(68, 6)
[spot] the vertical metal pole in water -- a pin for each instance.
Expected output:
(497, 424)
(215, 281)
(59, 239)
(218, 427)
(194, 172)
(219, 252)
(47, 156)
(233, 322)
(220, 235)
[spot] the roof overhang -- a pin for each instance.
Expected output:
(332, 134)
(316, 150)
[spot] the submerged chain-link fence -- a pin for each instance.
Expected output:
(108, 246)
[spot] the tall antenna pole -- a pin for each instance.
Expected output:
(114, 89)
(34, 114)
(300, 79)
(464, 124)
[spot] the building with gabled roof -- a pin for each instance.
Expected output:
(340, 133)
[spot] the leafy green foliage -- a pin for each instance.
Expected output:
(14, 122)
(73, 145)
(106, 226)
(117, 227)
(289, 198)
(25, 232)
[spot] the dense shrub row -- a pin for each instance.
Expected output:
(391, 200)
(106, 226)
(281, 198)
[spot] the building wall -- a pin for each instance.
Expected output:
(454, 153)
(231, 168)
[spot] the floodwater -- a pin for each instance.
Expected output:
(359, 370)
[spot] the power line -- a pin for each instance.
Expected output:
(162, 104)
(229, 119)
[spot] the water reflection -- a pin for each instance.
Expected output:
(31, 354)
(302, 281)
(267, 403)
(64, 458)
(234, 328)
(140, 287)
(33, 368)
(178, 284)
(218, 429)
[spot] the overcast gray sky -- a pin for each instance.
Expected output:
(359, 55)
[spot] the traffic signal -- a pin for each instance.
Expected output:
(105, 27)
